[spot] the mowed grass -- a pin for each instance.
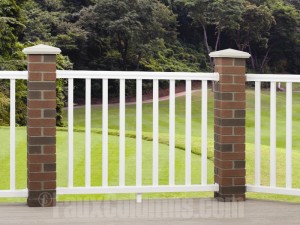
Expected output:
(79, 149)
(96, 179)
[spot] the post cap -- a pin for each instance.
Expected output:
(230, 53)
(41, 50)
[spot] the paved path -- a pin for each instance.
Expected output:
(164, 98)
(156, 212)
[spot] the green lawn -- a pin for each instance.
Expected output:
(79, 142)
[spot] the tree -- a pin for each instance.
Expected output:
(254, 31)
(50, 23)
(11, 58)
(4, 109)
(173, 58)
(199, 12)
(127, 26)
(220, 14)
(74, 6)
(225, 15)
(295, 3)
(11, 27)
(38, 23)
(284, 40)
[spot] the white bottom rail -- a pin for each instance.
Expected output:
(273, 190)
(134, 189)
(14, 193)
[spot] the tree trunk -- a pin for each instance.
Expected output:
(207, 46)
(265, 60)
(238, 41)
(252, 58)
(125, 54)
(218, 40)
(139, 57)
(122, 47)
(208, 51)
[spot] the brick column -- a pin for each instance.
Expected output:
(41, 125)
(230, 112)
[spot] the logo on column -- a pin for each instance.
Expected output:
(45, 199)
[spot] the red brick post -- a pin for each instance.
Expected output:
(41, 125)
(230, 112)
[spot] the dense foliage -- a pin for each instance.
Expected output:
(157, 35)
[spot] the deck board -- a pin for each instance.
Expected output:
(164, 211)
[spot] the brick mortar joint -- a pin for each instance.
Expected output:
(41, 62)
(230, 73)
(228, 66)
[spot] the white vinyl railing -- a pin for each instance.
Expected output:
(155, 187)
(12, 76)
(122, 188)
(273, 79)
(138, 188)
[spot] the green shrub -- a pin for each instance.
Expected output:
(4, 109)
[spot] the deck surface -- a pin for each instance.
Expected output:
(157, 212)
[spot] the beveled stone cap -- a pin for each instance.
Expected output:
(230, 53)
(41, 50)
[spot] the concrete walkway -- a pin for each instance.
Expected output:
(156, 212)
(163, 98)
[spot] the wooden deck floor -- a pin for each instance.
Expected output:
(165, 212)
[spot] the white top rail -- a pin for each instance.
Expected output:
(81, 74)
(23, 75)
(273, 77)
(134, 75)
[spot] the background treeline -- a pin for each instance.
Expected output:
(149, 35)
